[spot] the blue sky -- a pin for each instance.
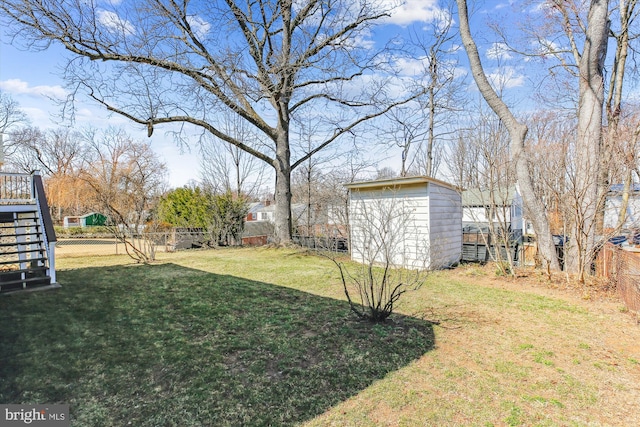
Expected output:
(32, 78)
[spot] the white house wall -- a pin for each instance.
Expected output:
(478, 214)
(612, 211)
(517, 220)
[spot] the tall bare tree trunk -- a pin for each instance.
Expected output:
(517, 133)
(624, 203)
(582, 246)
(614, 109)
(432, 113)
(282, 165)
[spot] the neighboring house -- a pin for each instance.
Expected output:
(88, 220)
(261, 211)
(256, 233)
(265, 211)
(501, 206)
(252, 214)
(421, 217)
(613, 205)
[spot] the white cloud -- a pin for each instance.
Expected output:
(199, 26)
(498, 51)
(114, 23)
(506, 78)
(412, 66)
(542, 7)
(546, 46)
(37, 115)
(362, 41)
(411, 11)
(19, 87)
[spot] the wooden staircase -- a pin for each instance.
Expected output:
(26, 256)
(23, 256)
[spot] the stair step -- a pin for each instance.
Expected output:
(35, 233)
(20, 216)
(33, 242)
(12, 226)
(20, 261)
(13, 275)
(22, 222)
(32, 282)
(23, 251)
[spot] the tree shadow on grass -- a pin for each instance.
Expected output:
(165, 345)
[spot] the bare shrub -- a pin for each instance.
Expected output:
(389, 263)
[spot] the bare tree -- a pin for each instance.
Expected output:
(589, 137)
(184, 62)
(573, 38)
(625, 147)
(126, 179)
(227, 168)
(374, 286)
(442, 92)
(308, 180)
(352, 169)
(11, 117)
(407, 128)
(58, 153)
(419, 127)
(611, 155)
(552, 132)
(482, 166)
(517, 132)
(464, 161)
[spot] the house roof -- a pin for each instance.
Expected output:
(477, 197)
(254, 207)
(295, 207)
(91, 214)
(398, 182)
(257, 228)
(85, 215)
(619, 188)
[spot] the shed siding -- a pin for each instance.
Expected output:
(432, 224)
(363, 214)
(446, 225)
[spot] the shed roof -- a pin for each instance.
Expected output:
(477, 197)
(92, 214)
(398, 182)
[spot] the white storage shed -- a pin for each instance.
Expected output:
(413, 222)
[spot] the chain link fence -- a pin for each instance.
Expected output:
(321, 243)
(622, 269)
(109, 244)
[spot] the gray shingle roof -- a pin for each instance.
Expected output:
(478, 197)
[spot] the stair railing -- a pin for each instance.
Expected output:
(16, 189)
(48, 232)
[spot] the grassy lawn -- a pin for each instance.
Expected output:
(253, 337)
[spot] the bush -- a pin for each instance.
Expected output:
(375, 285)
